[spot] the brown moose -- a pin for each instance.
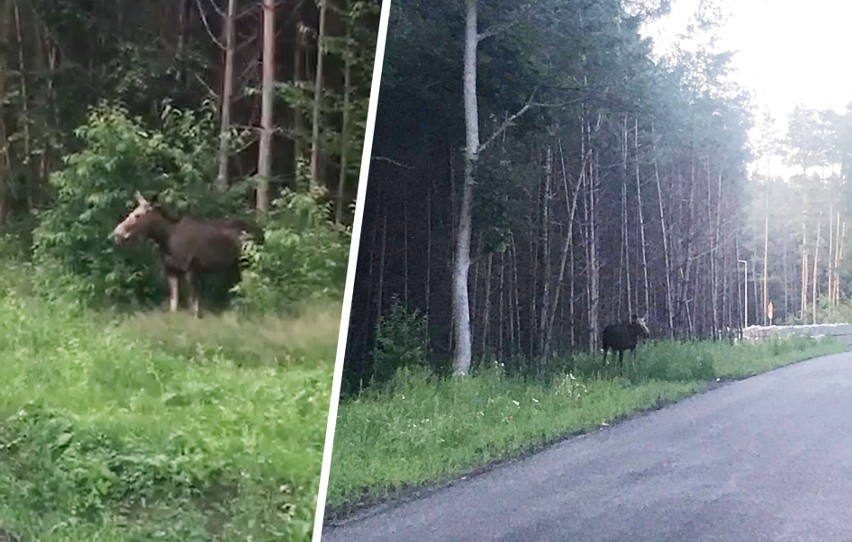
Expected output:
(624, 336)
(187, 245)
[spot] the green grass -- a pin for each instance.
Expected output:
(421, 430)
(159, 427)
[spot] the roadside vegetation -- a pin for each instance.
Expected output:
(119, 421)
(150, 426)
(420, 429)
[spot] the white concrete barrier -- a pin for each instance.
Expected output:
(842, 332)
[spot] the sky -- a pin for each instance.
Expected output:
(787, 52)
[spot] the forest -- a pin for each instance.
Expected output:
(125, 422)
(540, 171)
(609, 181)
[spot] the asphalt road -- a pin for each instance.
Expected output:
(768, 458)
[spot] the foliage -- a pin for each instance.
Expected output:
(303, 255)
(421, 430)
(148, 427)
(646, 162)
(401, 341)
(94, 191)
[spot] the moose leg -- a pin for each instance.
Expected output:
(634, 363)
(192, 285)
(173, 291)
(621, 362)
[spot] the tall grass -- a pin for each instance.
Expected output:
(158, 427)
(419, 429)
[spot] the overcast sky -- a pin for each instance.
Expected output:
(788, 51)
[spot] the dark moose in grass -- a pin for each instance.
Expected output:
(187, 245)
(624, 336)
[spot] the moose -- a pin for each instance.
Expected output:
(187, 245)
(624, 336)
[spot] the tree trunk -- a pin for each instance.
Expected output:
(815, 285)
(227, 93)
(571, 204)
(766, 260)
(641, 218)
(830, 264)
(625, 236)
(665, 235)
(183, 6)
(594, 284)
(318, 89)
(486, 316)
(429, 248)
(545, 247)
(298, 124)
(6, 173)
(344, 131)
(461, 307)
(264, 162)
(803, 304)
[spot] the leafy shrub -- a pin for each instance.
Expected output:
(303, 255)
(94, 191)
(401, 341)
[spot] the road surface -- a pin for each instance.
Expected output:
(767, 458)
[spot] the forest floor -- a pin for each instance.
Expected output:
(155, 426)
(419, 433)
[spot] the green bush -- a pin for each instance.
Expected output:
(401, 341)
(73, 253)
(303, 256)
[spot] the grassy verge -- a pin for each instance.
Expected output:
(421, 430)
(158, 427)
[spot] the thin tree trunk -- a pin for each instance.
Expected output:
(486, 316)
(766, 260)
(838, 253)
(461, 306)
(571, 204)
(803, 304)
(6, 173)
(625, 237)
(665, 234)
(381, 288)
(344, 131)
(264, 163)
(840, 258)
(815, 286)
(571, 288)
(513, 296)
(429, 249)
(453, 227)
(786, 281)
(594, 284)
(641, 217)
(318, 89)
(545, 242)
(519, 343)
(22, 68)
(405, 241)
(298, 124)
(714, 258)
(501, 307)
(227, 93)
(830, 264)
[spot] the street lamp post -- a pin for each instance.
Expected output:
(745, 292)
